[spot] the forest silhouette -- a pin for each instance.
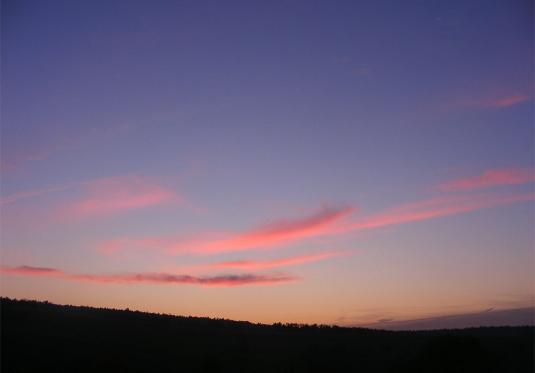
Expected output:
(44, 337)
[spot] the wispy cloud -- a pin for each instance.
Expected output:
(508, 101)
(117, 194)
(276, 233)
(496, 103)
(270, 235)
(94, 198)
(327, 222)
(281, 262)
(32, 271)
(104, 196)
(490, 178)
(155, 278)
(434, 208)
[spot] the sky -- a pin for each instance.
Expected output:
(363, 163)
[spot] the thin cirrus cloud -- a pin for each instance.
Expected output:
(155, 278)
(508, 101)
(276, 233)
(270, 235)
(114, 195)
(106, 196)
(32, 271)
(411, 212)
(496, 103)
(491, 178)
(325, 223)
(435, 208)
(281, 262)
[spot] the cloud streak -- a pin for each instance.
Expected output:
(495, 103)
(101, 197)
(32, 271)
(155, 278)
(508, 101)
(276, 233)
(270, 235)
(327, 222)
(281, 262)
(490, 178)
(113, 195)
(434, 208)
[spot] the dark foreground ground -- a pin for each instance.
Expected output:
(43, 337)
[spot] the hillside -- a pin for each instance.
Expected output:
(42, 337)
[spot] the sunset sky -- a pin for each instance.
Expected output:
(338, 162)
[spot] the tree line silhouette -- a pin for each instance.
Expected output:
(42, 337)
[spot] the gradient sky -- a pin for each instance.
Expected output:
(340, 162)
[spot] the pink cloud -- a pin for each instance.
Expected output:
(277, 233)
(155, 278)
(294, 260)
(99, 197)
(491, 178)
(117, 194)
(270, 235)
(32, 271)
(508, 101)
(497, 103)
(434, 208)
(327, 222)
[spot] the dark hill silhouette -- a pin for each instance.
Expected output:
(43, 337)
